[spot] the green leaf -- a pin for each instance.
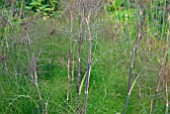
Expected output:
(29, 7)
(43, 7)
(47, 9)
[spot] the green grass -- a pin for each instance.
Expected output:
(106, 81)
(113, 41)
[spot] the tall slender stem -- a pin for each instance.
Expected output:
(12, 8)
(70, 59)
(89, 61)
(6, 47)
(166, 91)
(68, 84)
(79, 52)
(166, 72)
(161, 73)
(133, 59)
(36, 84)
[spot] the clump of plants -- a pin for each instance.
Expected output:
(46, 6)
(115, 5)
